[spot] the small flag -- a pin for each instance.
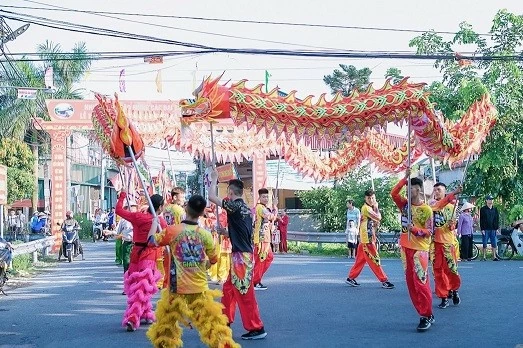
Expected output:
(158, 80)
(49, 78)
(26, 93)
(267, 75)
(122, 81)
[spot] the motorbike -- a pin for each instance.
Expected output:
(69, 237)
(510, 242)
(97, 231)
(6, 254)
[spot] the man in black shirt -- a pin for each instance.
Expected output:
(239, 286)
(489, 225)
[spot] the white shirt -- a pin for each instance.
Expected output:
(125, 228)
(21, 220)
(352, 234)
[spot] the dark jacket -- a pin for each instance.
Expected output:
(488, 218)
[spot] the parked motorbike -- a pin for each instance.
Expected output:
(510, 242)
(69, 237)
(97, 231)
(6, 254)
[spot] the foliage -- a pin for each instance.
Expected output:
(16, 114)
(515, 213)
(499, 169)
(194, 179)
(394, 74)
(329, 204)
(22, 263)
(19, 159)
(326, 249)
(348, 79)
(86, 226)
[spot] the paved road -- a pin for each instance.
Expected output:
(307, 305)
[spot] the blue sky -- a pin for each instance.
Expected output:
(302, 74)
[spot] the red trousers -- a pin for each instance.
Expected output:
(445, 269)
(247, 304)
(283, 241)
(367, 254)
(261, 267)
(416, 263)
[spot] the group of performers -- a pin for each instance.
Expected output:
(429, 236)
(175, 248)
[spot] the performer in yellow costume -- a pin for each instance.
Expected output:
(188, 297)
(173, 214)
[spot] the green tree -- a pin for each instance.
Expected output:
(19, 159)
(348, 79)
(499, 169)
(69, 68)
(329, 204)
(394, 74)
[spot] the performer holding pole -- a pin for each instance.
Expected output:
(126, 145)
(416, 221)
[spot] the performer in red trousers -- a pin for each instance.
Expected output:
(367, 253)
(415, 249)
(445, 254)
(263, 226)
(238, 288)
(142, 275)
(283, 224)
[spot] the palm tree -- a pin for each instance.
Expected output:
(69, 68)
(16, 115)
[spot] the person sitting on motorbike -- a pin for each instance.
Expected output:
(6, 254)
(38, 224)
(69, 224)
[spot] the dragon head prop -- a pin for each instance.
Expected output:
(212, 102)
(115, 131)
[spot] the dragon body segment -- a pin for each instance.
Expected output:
(348, 117)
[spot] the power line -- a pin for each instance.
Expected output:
(244, 21)
(190, 30)
(254, 80)
(203, 49)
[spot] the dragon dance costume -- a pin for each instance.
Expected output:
(220, 270)
(263, 226)
(367, 253)
(238, 289)
(173, 215)
(415, 250)
(188, 300)
(142, 275)
(444, 251)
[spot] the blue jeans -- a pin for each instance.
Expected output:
(489, 235)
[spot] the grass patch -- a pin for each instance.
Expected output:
(327, 249)
(23, 265)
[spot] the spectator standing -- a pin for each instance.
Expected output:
(352, 237)
(283, 225)
(353, 214)
(489, 225)
(465, 231)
